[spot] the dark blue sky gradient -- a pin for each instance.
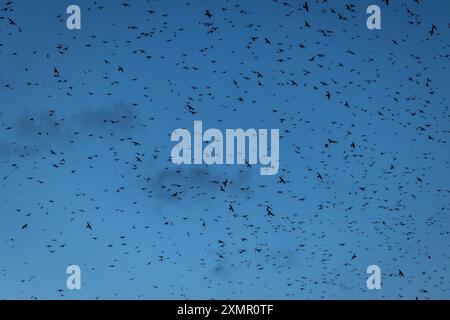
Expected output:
(384, 201)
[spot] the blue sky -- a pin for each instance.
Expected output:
(384, 201)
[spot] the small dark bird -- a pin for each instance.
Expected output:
(208, 14)
(305, 6)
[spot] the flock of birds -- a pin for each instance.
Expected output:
(86, 178)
